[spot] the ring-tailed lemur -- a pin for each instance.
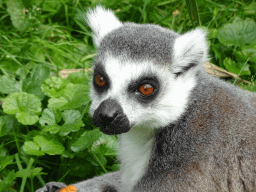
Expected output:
(179, 128)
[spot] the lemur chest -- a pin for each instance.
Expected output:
(135, 149)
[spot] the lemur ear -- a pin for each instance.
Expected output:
(101, 21)
(190, 51)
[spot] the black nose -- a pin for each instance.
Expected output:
(109, 110)
(109, 117)
(106, 117)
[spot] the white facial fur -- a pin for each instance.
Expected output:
(165, 109)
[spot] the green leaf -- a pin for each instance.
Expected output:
(71, 127)
(70, 116)
(114, 167)
(25, 106)
(7, 124)
(74, 96)
(38, 51)
(105, 145)
(9, 85)
(32, 83)
(68, 154)
(81, 168)
(247, 52)
(72, 122)
(250, 52)
(5, 161)
(238, 33)
(54, 86)
(26, 118)
(2, 122)
(52, 6)
(57, 103)
(31, 173)
(53, 129)
(234, 67)
(78, 78)
(86, 140)
(98, 160)
(250, 9)
(7, 181)
(3, 151)
(38, 3)
(240, 57)
(18, 18)
(49, 146)
(32, 148)
(50, 116)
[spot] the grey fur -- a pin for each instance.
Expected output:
(216, 134)
(139, 42)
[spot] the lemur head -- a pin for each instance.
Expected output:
(143, 73)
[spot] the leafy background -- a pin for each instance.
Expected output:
(45, 129)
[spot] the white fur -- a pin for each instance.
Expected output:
(190, 47)
(136, 145)
(135, 148)
(102, 22)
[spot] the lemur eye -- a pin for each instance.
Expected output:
(146, 89)
(99, 80)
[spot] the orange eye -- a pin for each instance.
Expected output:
(99, 80)
(146, 89)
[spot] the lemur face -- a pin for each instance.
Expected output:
(143, 74)
(125, 94)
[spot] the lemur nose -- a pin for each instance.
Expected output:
(106, 117)
(109, 110)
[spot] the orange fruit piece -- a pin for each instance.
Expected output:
(69, 188)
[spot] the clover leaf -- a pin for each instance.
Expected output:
(72, 123)
(9, 85)
(41, 145)
(74, 96)
(86, 140)
(49, 146)
(236, 67)
(30, 173)
(54, 86)
(32, 148)
(26, 107)
(32, 83)
(250, 52)
(50, 116)
(238, 33)
(78, 77)
(15, 9)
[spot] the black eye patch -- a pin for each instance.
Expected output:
(99, 72)
(134, 88)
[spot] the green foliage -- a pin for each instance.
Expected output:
(61, 129)
(238, 42)
(26, 107)
(239, 33)
(45, 129)
(41, 145)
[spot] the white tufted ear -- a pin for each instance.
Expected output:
(102, 21)
(190, 50)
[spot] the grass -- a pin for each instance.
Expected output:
(53, 34)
